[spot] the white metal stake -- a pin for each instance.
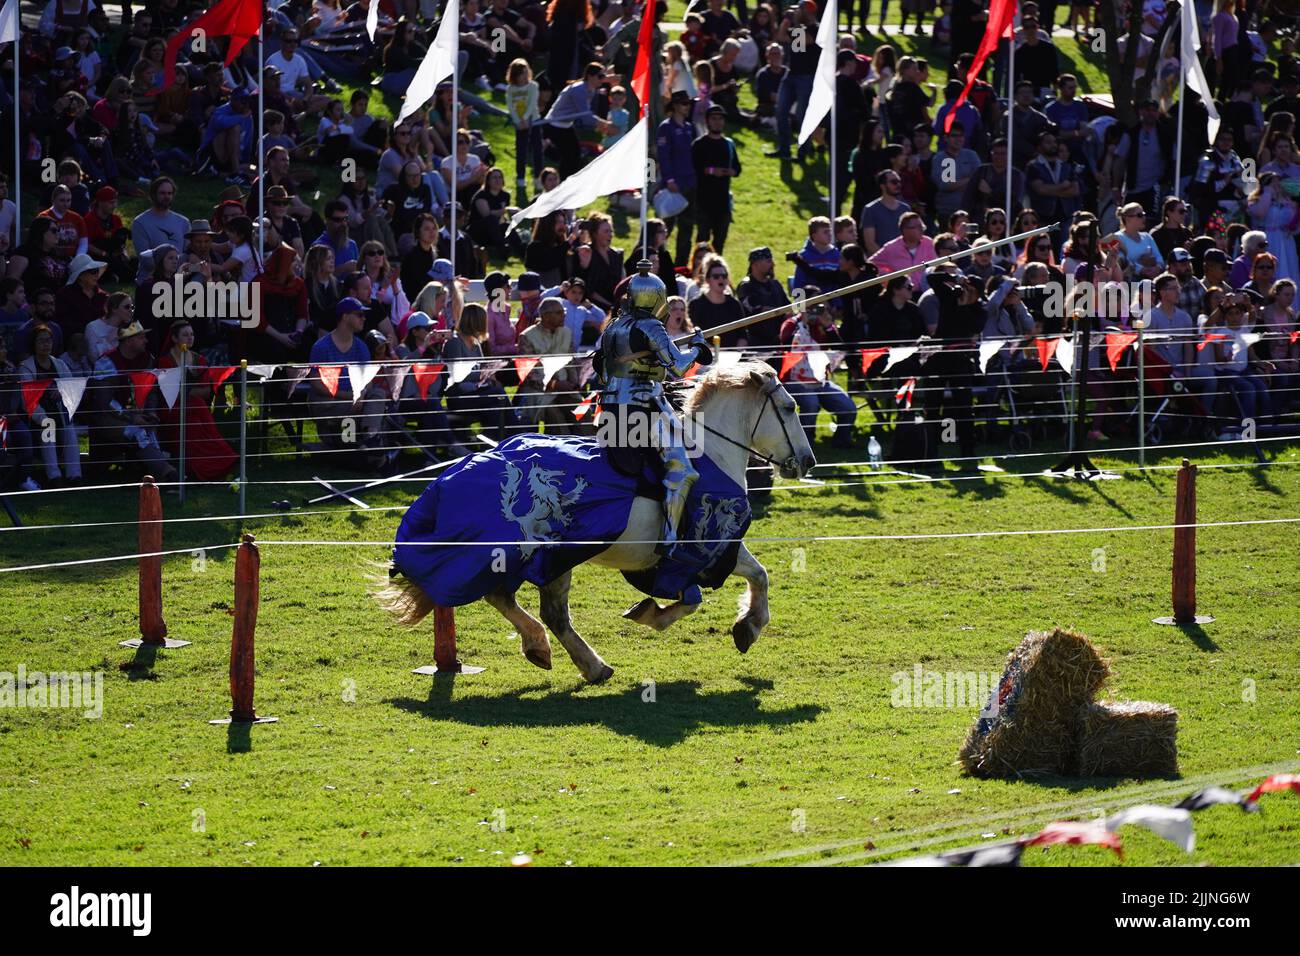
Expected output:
(18, 136)
(1011, 111)
(1140, 325)
(180, 472)
(243, 434)
(452, 233)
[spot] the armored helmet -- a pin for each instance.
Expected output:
(646, 291)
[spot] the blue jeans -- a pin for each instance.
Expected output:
(793, 92)
(812, 397)
(1251, 394)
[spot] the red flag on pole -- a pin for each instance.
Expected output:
(641, 72)
(1002, 14)
(239, 20)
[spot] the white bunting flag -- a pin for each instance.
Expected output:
(437, 64)
(551, 364)
(361, 376)
(169, 384)
(823, 91)
(71, 390)
(818, 362)
(296, 375)
(1065, 354)
(262, 371)
(9, 22)
(399, 378)
(988, 349)
(1191, 43)
(898, 354)
(459, 370)
(1171, 823)
(618, 169)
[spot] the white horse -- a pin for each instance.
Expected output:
(740, 409)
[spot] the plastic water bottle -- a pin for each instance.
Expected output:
(873, 452)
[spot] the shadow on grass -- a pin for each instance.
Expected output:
(678, 709)
(1201, 639)
(1079, 784)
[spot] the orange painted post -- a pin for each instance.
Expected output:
(248, 564)
(153, 629)
(1184, 571)
(445, 660)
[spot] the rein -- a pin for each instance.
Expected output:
(768, 401)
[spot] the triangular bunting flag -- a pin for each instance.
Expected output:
(788, 361)
(361, 376)
(33, 390)
(988, 349)
(524, 364)
(551, 364)
(1065, 354)
(399, 378)
(869, 357)
(898, 354)
(1046, 349)
(1116, 343)
(426, 373)
(1077, 834)
(71, 391)
(1274, 784)
(460, 368)
(262, 371)
(296, 375)
(169, 384)
(584, 405)
(329, 377)
(216, 375)
(1213, 796)
(692, 370)
(818, 362)
(143, 382)
(904, 394)
(1171, 823)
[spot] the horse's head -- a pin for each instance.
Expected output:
(766, 418)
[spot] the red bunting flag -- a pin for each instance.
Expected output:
(329, 377)
(789, 361)
(584, 405)
(641, 71)
(237, 19)
(4, 433)
(1295, 334)
(33, 392)
(1077, 834)
(143, 383)
(1002, 14)
(1116, 343)
(216, 375)
(1046, 349)
(869, 357)
(905, 393)
(1209, 337)
(426, 373)
(1274, 784)
(525, 364)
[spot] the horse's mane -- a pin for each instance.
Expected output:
(741, 375)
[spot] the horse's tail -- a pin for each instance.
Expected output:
(401, 597)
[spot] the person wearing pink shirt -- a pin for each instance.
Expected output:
(502, 337)
(911, 248)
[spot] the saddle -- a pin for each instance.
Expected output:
(643, 464)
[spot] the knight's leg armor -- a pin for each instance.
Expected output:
(679, 475)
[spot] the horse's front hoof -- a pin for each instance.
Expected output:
(539, 656)
(643, 612)
(743, 634)
(603, 674)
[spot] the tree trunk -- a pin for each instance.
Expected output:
(1121, 71)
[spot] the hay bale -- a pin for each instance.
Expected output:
(1133, 739)
(1029, 724)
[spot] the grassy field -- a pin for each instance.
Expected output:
(368, 764)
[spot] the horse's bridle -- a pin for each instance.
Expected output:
(789, 464)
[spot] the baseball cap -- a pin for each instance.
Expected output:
(349, 304)
(418, 320)
(762, 252)
(105, 194)
(1179, 254)
(1216, 255)
(441, 270)
(529, 282)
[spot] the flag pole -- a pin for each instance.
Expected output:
(1182, 94)
(834, 13)
(452, 230)
(1011, 109)
(18, 135)
(261, 133)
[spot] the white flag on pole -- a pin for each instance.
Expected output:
(438, 63)
(71, 390)
(620, 168)
(823, 91)
(9, 22)
(372, 19)
(1191, 43)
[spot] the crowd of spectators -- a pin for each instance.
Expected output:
(355, 274)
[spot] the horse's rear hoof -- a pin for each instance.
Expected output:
(742, 633)
(542, 658)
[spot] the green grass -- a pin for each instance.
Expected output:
(714, 769)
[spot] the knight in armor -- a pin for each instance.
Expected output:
(636, 355)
